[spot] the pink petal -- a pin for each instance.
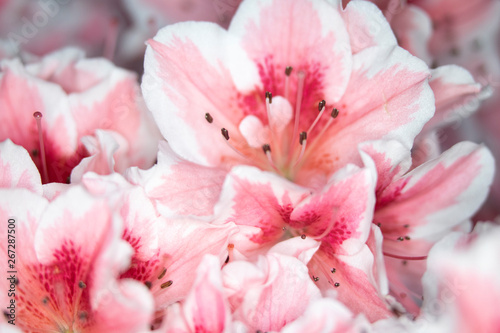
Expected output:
(212, 70)
(413, 29)
(340, 214)
(387, 98)
(102, 149)
(206, 308)
(271, 294)
(17, 168)
(352, 277)
(464, 172)
(324, 315)
(258, 199)
(179, 187)
(457, 95)
(309, 36)
(367, 26)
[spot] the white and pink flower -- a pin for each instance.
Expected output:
(68, 258)
(73, 97)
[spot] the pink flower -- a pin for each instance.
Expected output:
(462, 282)
(202, 85)
(75, 96)
(166, 250)
(270, 293)
(68, 257)
(241, 64)
(418, 206)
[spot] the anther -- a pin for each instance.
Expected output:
(209, 118)
(303, 143)
(148, 284)
(45, 300)
(303, 236)
(336, 284)
(162, 274)
(288, 70)
(401, 238)
(266, 148)
(315, 278)
(321, 105)
(269, 96)
(166, 284)
(406, 226)
(407, 237)
(302, 137)
(225, 133)
(333, 270)
(335, 113)
(82, 285)
(82, 315)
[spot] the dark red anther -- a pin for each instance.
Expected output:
(302, 137)
(225, 133)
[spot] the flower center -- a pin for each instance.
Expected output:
(279, 145)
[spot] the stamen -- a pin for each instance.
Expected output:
(303, 143)
(38, 117)
(300, 90)
(395, 256)
(225, 134)
(148, 284)
(321, 107)
(267, 150)
(111, 38)
(336, 284)
(288, 71)
(333, 115)
(82, 285)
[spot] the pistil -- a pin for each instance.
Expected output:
(38, 117)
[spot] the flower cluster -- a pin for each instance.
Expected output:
(249, 166)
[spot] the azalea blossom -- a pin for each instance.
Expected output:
(68, 257)
(462, 274)
(166, 250)
(417, 206)
(305, 129)
(449, 32)
(54, 109)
